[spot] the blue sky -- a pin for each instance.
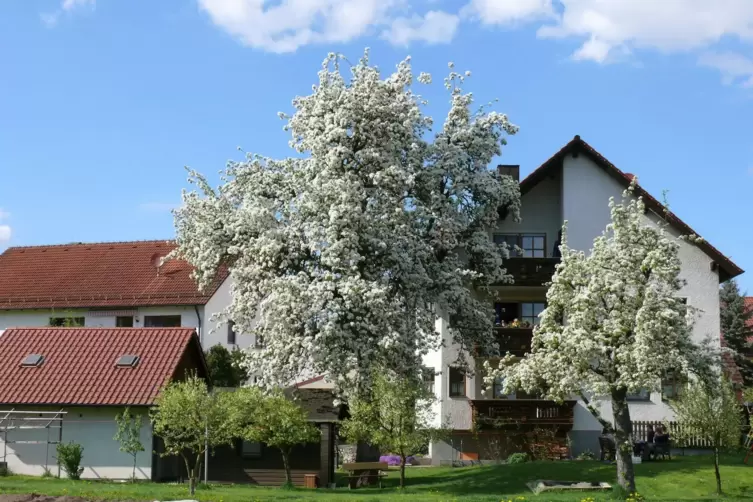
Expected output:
(103, 102)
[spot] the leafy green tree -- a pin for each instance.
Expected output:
(190, 420)
(709, 411)
(396, 416)
(225, 368)
(129, 435)
(737, 328)
(272, 419)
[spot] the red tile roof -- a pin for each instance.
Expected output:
(79, 366)
(108, 274)
(728, 269)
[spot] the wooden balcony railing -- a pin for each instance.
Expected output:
(515, 412)
(517, 341)
(531, 271)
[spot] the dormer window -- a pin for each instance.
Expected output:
(127, 361)
(32, 360)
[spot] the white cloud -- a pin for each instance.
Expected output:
(69, 5)
(666, 25)
(735, 68)
(51, 19)
(289, 24)
(435, 27)
(5, 231)
(508, 11)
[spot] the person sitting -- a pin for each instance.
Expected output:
(662, 443)
(661, 435)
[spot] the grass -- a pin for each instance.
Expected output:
(682, 478)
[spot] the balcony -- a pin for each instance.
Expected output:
(531, 271)
(500, 413)
(517, 341)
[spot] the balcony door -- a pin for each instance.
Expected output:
(523, 245)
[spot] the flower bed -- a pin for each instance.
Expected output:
(395, 460)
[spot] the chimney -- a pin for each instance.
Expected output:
(509, 170)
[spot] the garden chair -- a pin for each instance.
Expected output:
(607, 447)
(662, 448)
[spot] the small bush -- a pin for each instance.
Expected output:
(47, 473)
(517, 458)
(586, 455)
(69, 458)
(4, 470)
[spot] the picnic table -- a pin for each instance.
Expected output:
(365, 473)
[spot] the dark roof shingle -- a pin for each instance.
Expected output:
(108, 274)
(79, 366)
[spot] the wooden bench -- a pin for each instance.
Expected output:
(365, 473)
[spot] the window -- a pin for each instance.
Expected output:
(511, 240)
(534, 246)
(231, 333)
(124, 321)
(457, 382)
(497, 389)
(251, 449)
(506, 313)
(672, 385)
(428, 376)
(162, 321)
(641, 395)
(531, 245)
(33, 360)
(259, 341)
(127, 361)
(529, 312)
(67, 322)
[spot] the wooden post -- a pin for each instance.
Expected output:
(326, 456)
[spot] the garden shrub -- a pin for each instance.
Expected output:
(517, 458)
(69, 458)
(586, 455)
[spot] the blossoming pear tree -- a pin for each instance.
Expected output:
(342, 255)
(613, 323)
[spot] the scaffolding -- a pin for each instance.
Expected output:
(18, 420)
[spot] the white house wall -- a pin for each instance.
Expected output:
(91, 427)
(586, 192)
(540, 212)
(41, 317)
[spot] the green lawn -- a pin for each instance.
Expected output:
(682, 478)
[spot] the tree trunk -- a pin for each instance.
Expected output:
(716, 472)
(192, 482)
(133, 475)
(623, 441)
(189, 473)
(402, 471)
(286, 464)
(595, 412)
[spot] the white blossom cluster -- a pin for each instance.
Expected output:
(342, 256)
(613, 321)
